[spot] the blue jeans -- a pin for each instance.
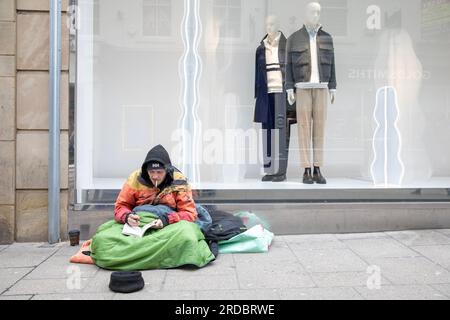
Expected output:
(203, 220)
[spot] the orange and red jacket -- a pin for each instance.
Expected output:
(177, 195)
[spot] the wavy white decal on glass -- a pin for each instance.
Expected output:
(387, 168)
(190, 71)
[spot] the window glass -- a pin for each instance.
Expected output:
(182, 74)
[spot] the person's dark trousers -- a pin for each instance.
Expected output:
(267, 136)
(291, 119)
(275, 152)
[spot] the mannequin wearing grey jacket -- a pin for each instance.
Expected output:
(310, 73)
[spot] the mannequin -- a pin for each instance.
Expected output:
(311, 81)
(271, 102)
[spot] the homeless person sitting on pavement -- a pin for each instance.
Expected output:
(157, 193)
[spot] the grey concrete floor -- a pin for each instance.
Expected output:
(386, 265)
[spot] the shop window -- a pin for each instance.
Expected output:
(435, 20)
(335, 13)
(96, 21)
(228, 13)
(157, 18)
(402, 68)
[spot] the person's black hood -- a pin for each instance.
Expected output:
(159, 154)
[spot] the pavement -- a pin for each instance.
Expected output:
(412, 265)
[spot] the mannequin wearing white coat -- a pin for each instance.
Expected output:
(271, 102)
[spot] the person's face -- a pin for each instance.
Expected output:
(313, 13)
(157, 176)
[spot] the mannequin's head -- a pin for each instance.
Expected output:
(272, 25)
(312, 12)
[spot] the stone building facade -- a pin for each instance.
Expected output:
(24, 128)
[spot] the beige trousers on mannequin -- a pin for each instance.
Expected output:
(311, 117)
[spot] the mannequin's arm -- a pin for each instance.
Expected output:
(332, 95)
(332, 83)
(256, 75)
(291, 96)
(289, 76)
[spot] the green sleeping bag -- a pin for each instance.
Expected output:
(175, 245)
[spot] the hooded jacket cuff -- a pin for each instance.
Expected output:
(125, 219)
(165, 219)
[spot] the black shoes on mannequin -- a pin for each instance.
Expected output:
(308, 177)
(280, 177)
(316, 176)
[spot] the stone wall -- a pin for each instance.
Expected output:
(24, 134)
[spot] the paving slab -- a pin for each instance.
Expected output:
(323, 241)
(197, 283)
(344, 279)
(67, 250)
(329, 260)
(273, 275)
(47, 286)
(379, 248)
(75, 296)
(24, 297)
(442, 288)
(156, 295)
(416, 270)
(9, 276)
(279, 251)
(407, 292)
(59, 267)
(445, 232)
(368, 235)
(320, 294)
(420, 237)
(412, 265)
(99, 283)
(260, 294)
(439, 254)
(25, 255)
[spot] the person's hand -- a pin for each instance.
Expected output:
(133, 220)
(158, 224)
(291, 96)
